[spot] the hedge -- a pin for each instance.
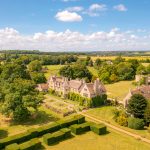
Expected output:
(78, 119)
(135, 123)
(48, 128)
(50, 139)
(33, 144)
(80, 128)
(67, 132)
(98, 128)
(14, 146)
(98, 100)
(81, 119)
(36, 132)
(19, 138)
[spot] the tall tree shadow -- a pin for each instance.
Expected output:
(3, 133)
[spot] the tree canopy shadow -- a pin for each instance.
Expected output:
(3, 133)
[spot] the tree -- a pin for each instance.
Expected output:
(119, 59)
(141, 70)
(38, 77)
(135, 123)
(147, 114)
(35, 66)
(76, 71)
(125, 71)
(19, 96)
(137, 105)
(97, 62)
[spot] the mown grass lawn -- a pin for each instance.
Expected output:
(106, 113)
(119, 90)
(43, 116)
(91, 141)
(52, 70)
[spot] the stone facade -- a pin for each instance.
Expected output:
(63, 86)
(143, 90)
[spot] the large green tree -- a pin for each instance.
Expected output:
(35, 66)
(137, 105)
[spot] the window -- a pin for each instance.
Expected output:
(85, 89)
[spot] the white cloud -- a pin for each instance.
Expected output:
(76, 8)
(120, 7)
(95, 9)
(68, 40)
(67, 16)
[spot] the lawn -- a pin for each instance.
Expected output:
(119, 90)
(93, 71)
(43, 116)
(106, 114)
(52, 70)
(91, 141)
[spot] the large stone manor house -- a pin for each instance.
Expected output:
(63, 86)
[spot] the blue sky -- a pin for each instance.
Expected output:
(83, 21)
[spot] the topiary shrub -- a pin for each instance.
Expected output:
(81, 119)
(33, 144)
(67, 132)
(98, 128)
(18, 138)
(136, 123)
(76, 129)
(48, 139)
(14, 146)
(80, 128)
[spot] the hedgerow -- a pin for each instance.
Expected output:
(98, 128)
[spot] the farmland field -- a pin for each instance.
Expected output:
(113, 57)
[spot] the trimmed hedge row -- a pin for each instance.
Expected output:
(60, 135)
(36, 132)
(80, 128)
(98, 128)
(14, 146)
(33, 144)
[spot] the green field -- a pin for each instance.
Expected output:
(119, 90)
(110, 141)
(52, 70)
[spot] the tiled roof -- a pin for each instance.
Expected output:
(75, 84)
(90, 87)
(144, 90)
(44, 86)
